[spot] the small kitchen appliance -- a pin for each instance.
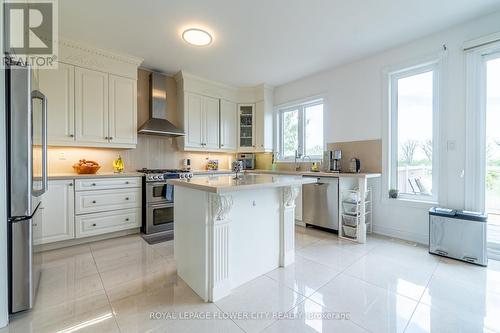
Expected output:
(355, 165)
(158, 199)
(186, 164)
(334, 157)
(248, 161)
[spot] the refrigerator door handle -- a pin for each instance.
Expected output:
(35, 94)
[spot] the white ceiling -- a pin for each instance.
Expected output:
(259, 41)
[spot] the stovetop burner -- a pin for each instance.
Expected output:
(151, 175)
(148, 171)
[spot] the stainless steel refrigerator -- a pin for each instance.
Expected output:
(26, 181)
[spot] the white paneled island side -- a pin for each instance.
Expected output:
(229, 231)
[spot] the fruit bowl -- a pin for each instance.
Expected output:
(86, 167)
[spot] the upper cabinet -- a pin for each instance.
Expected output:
(246, 127)
(218, 117)
(228, 125)
(91, 106)
(122, 110)
(58, 85)
(92, 98)
(201, 121)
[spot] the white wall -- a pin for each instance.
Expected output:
(4, 311)
(353, 94)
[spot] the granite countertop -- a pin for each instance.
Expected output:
(224, 184)
(74, 175)
(317, 174)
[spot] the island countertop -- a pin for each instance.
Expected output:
(224, 183)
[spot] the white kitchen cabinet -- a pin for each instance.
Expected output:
(263, 127)
(211, 123)
(107, 200)
(122, 110)
(58, 217)
(201, 122)
(59, 87)
(194, 121)
(105, 222)
(91, 106)
(228, 125)
(246, 127)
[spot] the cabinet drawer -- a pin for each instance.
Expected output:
(101, 223)
(105, 200)
(107, 183)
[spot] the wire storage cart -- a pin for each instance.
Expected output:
(355, 211)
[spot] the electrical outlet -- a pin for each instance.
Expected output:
(62, 157)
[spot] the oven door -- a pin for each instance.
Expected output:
(159, 193)
(159, 217)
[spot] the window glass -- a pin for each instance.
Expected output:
(314, 130)
(415, 134)
(290, 133)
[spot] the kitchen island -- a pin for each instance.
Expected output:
(229, 231)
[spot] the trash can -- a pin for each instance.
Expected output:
(458, 234)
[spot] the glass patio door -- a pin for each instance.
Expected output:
(492, 179)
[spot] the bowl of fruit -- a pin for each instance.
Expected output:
(86, 167)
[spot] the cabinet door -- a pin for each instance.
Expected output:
(246, 127)
(58, 217)
(91, 106)
(211, 123)
(228, 125)
(59, 87)
(193, 120)
(122, 110)
(263, 126)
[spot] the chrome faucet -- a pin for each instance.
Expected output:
(297, 156)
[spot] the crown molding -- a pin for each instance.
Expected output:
(136, 61)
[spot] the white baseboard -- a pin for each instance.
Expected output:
(493, 254)
(401, 234)
(298, 222)
(78, 241)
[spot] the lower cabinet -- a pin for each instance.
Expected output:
(57, 220)
(106, 205)
(100, 223)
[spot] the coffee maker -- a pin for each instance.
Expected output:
(334, 157)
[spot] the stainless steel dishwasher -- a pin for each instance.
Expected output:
(320, 203)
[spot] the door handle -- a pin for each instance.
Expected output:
(45, 179)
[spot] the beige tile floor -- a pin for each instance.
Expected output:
(385, 285)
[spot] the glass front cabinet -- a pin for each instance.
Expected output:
(246, 127)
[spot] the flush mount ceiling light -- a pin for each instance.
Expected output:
(197, 37)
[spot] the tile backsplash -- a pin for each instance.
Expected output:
(151, 152)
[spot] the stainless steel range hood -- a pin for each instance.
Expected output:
(157, 123)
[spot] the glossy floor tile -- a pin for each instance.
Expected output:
(373, 308)
(385, 285)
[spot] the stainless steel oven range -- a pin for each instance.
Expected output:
(158, 199)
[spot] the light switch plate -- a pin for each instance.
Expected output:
(451, 145)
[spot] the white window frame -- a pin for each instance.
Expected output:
(392, 140)
(300, 106)
(475, 150)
